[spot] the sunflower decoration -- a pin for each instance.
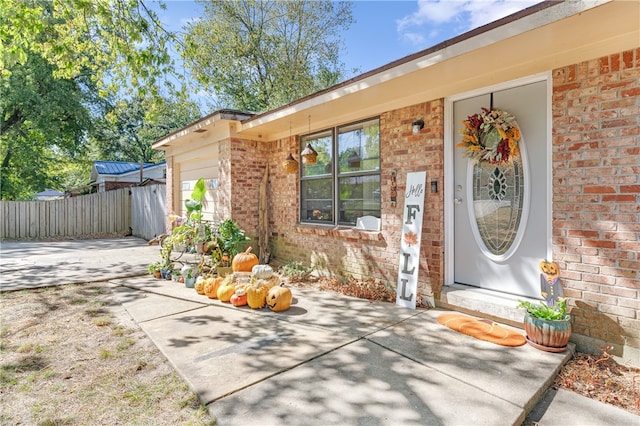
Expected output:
(491, 135)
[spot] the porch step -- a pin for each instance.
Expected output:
(497, 306)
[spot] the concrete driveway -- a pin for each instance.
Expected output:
(32, 264)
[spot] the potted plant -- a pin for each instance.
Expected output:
(154, 269)
(547, 324)
(230, 241)
(189, 279)
(548, 328)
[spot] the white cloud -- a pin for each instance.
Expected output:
(454, 17)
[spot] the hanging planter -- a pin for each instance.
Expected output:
(309, 155)
(290, 165)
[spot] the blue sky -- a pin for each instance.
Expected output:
(384, 31)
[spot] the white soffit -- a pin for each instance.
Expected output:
(260, 125)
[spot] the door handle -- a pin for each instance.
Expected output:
(457, 201)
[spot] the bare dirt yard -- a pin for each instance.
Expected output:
(71, 356)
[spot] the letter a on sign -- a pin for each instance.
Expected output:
(410, 243)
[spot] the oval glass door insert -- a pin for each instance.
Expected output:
(498, 213)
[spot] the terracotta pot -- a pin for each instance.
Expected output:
(546, 335)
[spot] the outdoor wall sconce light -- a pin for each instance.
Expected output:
(434, 186)
(290, 165)
(417, 126)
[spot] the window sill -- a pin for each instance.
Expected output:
(342, 232)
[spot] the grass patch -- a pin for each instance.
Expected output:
(105, 354)
(125, 344)
(102, 320)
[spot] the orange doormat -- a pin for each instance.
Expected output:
(488, 331)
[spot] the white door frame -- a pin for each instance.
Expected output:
(449, 131)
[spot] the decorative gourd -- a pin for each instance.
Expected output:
(211, 286)
(245, 261)
(262, 271)
(269, 283)
(256, 296)
(279, 298)
(199, 285)
(226, 290)
(550, 270)
(239, 298)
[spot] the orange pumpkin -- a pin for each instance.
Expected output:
(211, 286)
(239, 298)
(245, 261)
(279, 298)
(199, 286)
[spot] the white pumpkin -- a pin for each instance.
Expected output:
(262, 272)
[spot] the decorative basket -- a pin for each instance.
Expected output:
(309, 155)
(290, 165)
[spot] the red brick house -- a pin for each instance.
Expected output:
(569, 72)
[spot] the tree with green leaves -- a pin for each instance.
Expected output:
(119, 43)
(257, 55)
(60, 61)
(42, 123)
(127, 131)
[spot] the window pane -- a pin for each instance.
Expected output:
(359, 147)
(317, 200)
(322, 143)
(359, 196)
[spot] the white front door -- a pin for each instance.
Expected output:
(501, 212)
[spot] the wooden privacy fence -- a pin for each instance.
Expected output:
(93, 214)
(105, 213)
(148, 211)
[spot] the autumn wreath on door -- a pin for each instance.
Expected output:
(491, 135)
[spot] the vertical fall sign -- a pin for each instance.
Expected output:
(410, 243)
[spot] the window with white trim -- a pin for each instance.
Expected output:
(341, 187)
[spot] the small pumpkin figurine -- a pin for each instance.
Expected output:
(256, 295)
(211, 286)
(279, 298)
(226, 289)
(245, 261)
(550, 270)
(239, 298)
(550, 285)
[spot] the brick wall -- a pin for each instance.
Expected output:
(248, 160)
(596, 195)
(343, 250)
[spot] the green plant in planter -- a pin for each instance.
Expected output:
(154, 267)
(185, 236)
(230, 241)
(548, 328)
(543, 311)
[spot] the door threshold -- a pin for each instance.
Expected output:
(480, 302)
